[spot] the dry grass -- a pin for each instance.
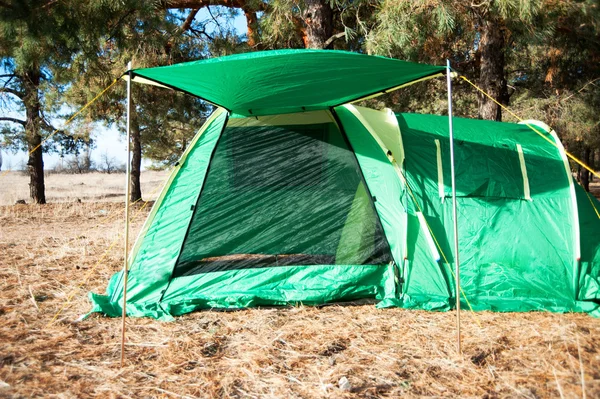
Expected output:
(46, 252)
(67, 188)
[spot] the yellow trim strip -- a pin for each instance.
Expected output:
(526, 192)
(440, 170)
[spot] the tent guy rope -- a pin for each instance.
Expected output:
(573, 157)
(67, 122)
(437, 244)
(592, 203)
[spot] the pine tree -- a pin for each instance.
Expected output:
(475, 36)
(40, 42)
(163, 121)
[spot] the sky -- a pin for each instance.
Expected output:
(108, 140)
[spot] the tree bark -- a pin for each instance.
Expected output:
(251, 26)
(35, 163)
(318, 18)
(136, 161)
(585, 175)
(491, 72)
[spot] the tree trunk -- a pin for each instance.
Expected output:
(585, 175)
(87, 156)
(136, 161)
(491, 72)
(251, 26)
(318, 18)
(35, 163)
(592, 165)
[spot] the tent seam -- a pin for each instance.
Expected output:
(212, 154)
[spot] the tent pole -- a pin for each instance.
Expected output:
(456, 261)
(127, 190)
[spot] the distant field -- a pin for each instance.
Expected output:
(51, 256)
(92, 187)
(87, 187)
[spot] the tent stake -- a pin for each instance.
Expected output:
(127, 189)
(456, 261)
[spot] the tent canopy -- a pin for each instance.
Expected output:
(286, 81)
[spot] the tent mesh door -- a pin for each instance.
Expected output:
(279, 196)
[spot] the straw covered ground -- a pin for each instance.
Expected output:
(52, 255)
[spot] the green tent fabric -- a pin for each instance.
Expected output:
(516, 254)
(312, 208)
(311, 201)
(285, 81)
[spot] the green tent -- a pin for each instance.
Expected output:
(290, 194)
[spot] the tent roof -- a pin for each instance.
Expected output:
(285, 81)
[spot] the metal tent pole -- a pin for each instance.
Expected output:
(127, 191)
(456, 261)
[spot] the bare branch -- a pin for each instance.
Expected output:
(49, 4)
(250, 8)
(188, 21)
(12, 91)
(333, 39)
(215, 20)
(46, 125)
(198, 32)
(13, 120)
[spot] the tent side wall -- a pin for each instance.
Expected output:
(589, 275)
(517, 253)
(158, 246)
(516, 219)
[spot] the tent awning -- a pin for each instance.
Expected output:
(285, 81)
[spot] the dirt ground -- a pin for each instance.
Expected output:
(52, 255)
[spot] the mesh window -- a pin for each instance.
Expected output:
(282, 195)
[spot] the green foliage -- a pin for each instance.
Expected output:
(48, 40)
(551, 51)
(166, 120)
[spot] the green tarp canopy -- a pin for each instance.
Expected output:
(285, 81)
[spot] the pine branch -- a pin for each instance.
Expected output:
(14, 120)
(14, 92)
(46, 125)
(250, 8)
(215, 20)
